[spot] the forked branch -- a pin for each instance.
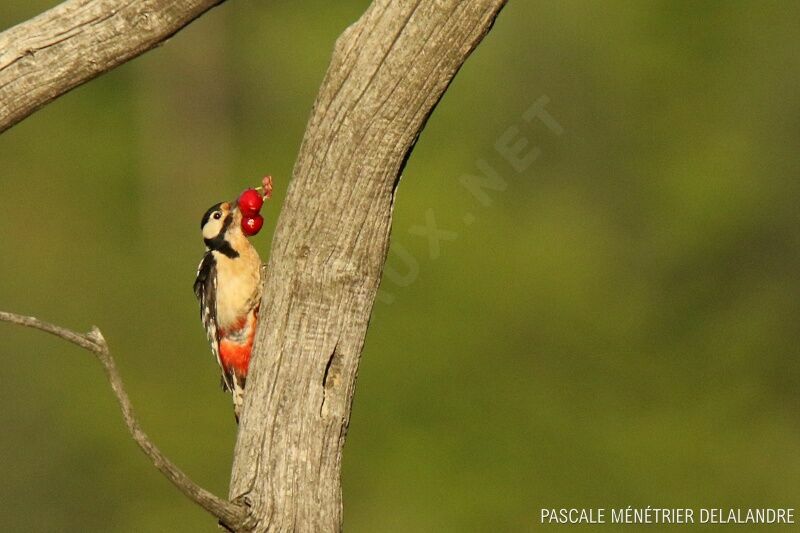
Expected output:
(231, 515)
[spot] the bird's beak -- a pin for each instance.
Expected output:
(233, 208)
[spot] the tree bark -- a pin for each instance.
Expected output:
(387, 73)
(48, 55)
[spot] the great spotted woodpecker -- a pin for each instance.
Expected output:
(228, 286)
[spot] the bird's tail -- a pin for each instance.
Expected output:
(238, 396)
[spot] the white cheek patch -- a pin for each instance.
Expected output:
(212, 228)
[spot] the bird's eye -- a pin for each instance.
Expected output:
(217, 215)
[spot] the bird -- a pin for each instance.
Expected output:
(228, 287)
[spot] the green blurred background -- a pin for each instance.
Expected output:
(617, 327)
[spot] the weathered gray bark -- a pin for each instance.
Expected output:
(77, 40)
(387, 73)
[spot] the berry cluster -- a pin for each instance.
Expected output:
(250, 202)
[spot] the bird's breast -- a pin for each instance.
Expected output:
(238, 290)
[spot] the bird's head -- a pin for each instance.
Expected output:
(222, 228)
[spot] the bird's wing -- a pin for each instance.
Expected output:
(205, 289)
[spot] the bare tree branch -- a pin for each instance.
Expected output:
(232, 515)
(70, 44)
(387, 73)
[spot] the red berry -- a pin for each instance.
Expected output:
(250, 202)
(252, 225)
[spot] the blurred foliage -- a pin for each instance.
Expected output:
(617, 327)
